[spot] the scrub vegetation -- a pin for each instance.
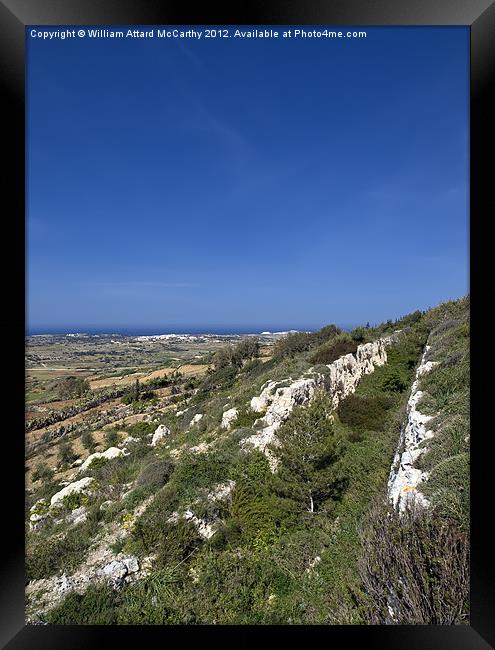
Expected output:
(314, 542)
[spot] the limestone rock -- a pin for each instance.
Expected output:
(78, 515)
(228, 417)
(81, 486)
(160, 432)
(277, 399)
(115, 570)
(111, 452)
(404, 478)
(196, 419)
(131, 563)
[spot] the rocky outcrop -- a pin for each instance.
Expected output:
(228, 417)
(111, 452)
(42, 508)
(404, 479)
(101, 564)
(196, 419)
(78, 487)
(117, 570)
(160, 433)
(277, 399)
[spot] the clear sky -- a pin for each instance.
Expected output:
(262, 184)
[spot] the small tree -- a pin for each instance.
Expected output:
(249, 348)
(309, 453)
(112, 438)
(221, 358)
(359, 334)
(136, 390)
(88, 441)
(66, 453)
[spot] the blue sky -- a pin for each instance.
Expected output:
(249, 183)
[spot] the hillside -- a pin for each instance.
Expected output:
(317, 478)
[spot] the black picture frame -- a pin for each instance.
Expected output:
(14, 16)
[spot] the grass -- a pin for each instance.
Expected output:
(446, 396)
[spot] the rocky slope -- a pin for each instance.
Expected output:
(277, 401)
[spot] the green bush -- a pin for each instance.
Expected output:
(61, 552)
(364, 413)
(88, 441)
(42, 473)
(140, 429)
(75, 500)
(218, 380)
(71, 387)
(310, 450)
(97, 463)
(155, 474)
(448, 487)
(66, 453)
(245, 418)
(330, 352)
(178, 542)
(112, 438)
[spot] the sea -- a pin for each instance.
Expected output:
(155, 331)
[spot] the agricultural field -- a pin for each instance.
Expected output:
(110, 366)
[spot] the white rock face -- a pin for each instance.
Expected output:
(196, 419)
(111, 452)
(404, 478)
(228, 417)
(277, 401)
(77, 487)
(160, 432)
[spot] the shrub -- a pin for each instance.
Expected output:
(88, 441)
(245, 418)
(330, 352)
(71, 387)
(155, 474)
(360, 334)
(364, 413)
(418, 565)
(66, 453)
(394, 382)
(219, 380)
(140, 429)
(178, 543)
(97, 463)
(291, 344)
(42, 473)
(62, 552)
(448, 487)
(235, 355)
(75, 500)
(112, 438)
(95, 607)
